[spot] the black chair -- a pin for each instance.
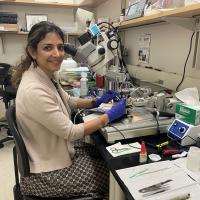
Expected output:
(21, 162)
(7, 93)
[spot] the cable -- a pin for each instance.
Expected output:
(93, 93)
(158, 126)
(79, 112)
(156, 115)
(119, 49)
(117, 130)
(119, 39)
(186, 62)
(120, 61)
(196, 141)
(122, 136)
(177, 140)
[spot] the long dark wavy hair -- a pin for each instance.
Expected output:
(37, 33)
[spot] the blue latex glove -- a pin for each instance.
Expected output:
(108, 95)
(93, 92)
(117, 111)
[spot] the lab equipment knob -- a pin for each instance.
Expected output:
(112, 44)
(182, 129)
(101, 51)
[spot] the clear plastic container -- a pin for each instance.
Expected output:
(193, 159)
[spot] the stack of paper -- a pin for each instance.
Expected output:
(182, 164)
(159, 181)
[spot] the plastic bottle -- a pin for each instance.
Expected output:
(143, 153)
(84, 84)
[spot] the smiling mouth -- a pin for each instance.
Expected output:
(56, 62)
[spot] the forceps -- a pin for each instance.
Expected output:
(116, 150)
(156, 187)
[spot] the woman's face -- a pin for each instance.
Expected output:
(49, 54)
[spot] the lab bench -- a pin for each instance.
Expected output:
(128, 160)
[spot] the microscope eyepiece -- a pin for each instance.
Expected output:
(70, 49)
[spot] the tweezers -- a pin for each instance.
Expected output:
(154, 187)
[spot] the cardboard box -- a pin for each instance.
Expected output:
(9, 27)
(188, 114)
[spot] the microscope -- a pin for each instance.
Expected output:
(104, 57)
(101, 54)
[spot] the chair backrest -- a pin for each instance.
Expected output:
(7, 91)
(4, 69)
(23, 161)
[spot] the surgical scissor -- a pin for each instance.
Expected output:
(116, 150)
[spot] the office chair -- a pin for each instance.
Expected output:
(7, 93)
(21, 162)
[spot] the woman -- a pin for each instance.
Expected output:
(43, 111)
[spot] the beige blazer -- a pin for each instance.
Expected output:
(43, 119)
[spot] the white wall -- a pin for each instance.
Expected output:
(169, 43)
(15, 44)
(110, 8)
(168, 51)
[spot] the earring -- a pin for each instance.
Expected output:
(34, 63)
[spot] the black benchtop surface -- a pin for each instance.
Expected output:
(130, 160)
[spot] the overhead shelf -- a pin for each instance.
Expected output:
(187, 11)
(26, 33)
(2, 34)
(54, 3)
